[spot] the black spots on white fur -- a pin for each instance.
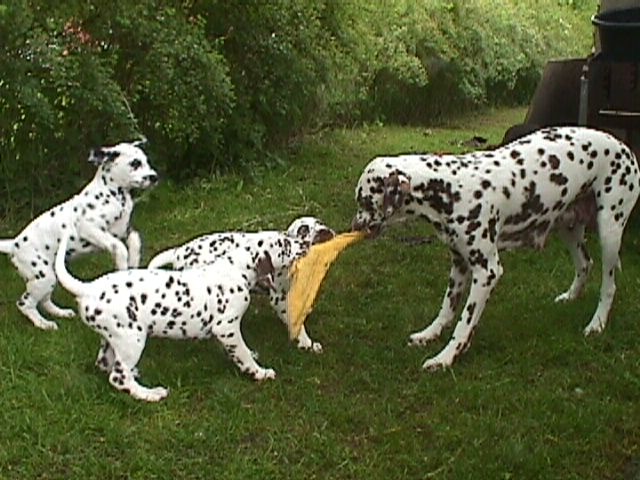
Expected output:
(558, 178)
(474, 213)
(439, 194)
(532, 206)
(477, 257)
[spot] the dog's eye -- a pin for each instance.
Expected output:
(135, 164)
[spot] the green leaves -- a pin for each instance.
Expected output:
(221, 85)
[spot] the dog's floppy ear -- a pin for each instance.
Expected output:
(99, 156)
(396, 187)
(266, 272)
(322, 235)
(303, 231)
(141, 142)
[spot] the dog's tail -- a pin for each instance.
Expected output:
(162, 259)
(70, 283)
(7, 246)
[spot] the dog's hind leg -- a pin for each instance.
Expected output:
(575, 241)
(458, 281)
(610, 241)
(37, 290)
(106, 357)
(486, 270)
(614, 209)
(127, 349)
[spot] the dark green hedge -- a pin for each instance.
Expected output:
(217, 85)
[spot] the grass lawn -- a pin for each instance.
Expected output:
(531, 399)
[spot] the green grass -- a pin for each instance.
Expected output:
(531, 399)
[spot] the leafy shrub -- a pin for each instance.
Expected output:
(222, 85)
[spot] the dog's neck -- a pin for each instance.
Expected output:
(103, 181)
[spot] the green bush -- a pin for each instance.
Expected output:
(222, 85)
(475, 52)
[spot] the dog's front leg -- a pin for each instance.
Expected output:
(278, 300)
(485, 272)
(134, 246)
(104, 240)
(458, 280)
(227, 330)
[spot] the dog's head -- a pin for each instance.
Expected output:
(310, 229)
(124, 165)
(380, 193)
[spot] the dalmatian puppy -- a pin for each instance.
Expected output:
(99, 215)
(283, 247)
(564, 178)
(126, 307)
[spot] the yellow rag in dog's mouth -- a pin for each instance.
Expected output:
(306, 276)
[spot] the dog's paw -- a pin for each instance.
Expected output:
(264, 374)
(434, 365)
(310, 346)
(421, 338)
(66, 313)
(564, 297)
(154, 394)
(595, 327)
(46, 325)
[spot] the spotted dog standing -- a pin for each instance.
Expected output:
(565, 179)
(126, 307)
(284, 247)
(99, 215)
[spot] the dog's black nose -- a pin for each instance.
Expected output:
(357, 225)
(152, 178)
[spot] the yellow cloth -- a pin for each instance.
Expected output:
(307, 273)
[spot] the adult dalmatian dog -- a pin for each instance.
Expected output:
(99, 215)
(284, 247)
(563, 178)
(126, 307)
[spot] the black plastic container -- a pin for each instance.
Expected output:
(619, 32)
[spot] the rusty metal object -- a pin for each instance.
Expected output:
(601, 90)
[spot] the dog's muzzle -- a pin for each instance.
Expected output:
(148, 181)
(151, 179)
(372, 230)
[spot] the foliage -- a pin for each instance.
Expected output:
(219, 85)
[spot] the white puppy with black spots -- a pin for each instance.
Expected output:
(99, 215)
(126, 307)
(566, 179)
(283, 247)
